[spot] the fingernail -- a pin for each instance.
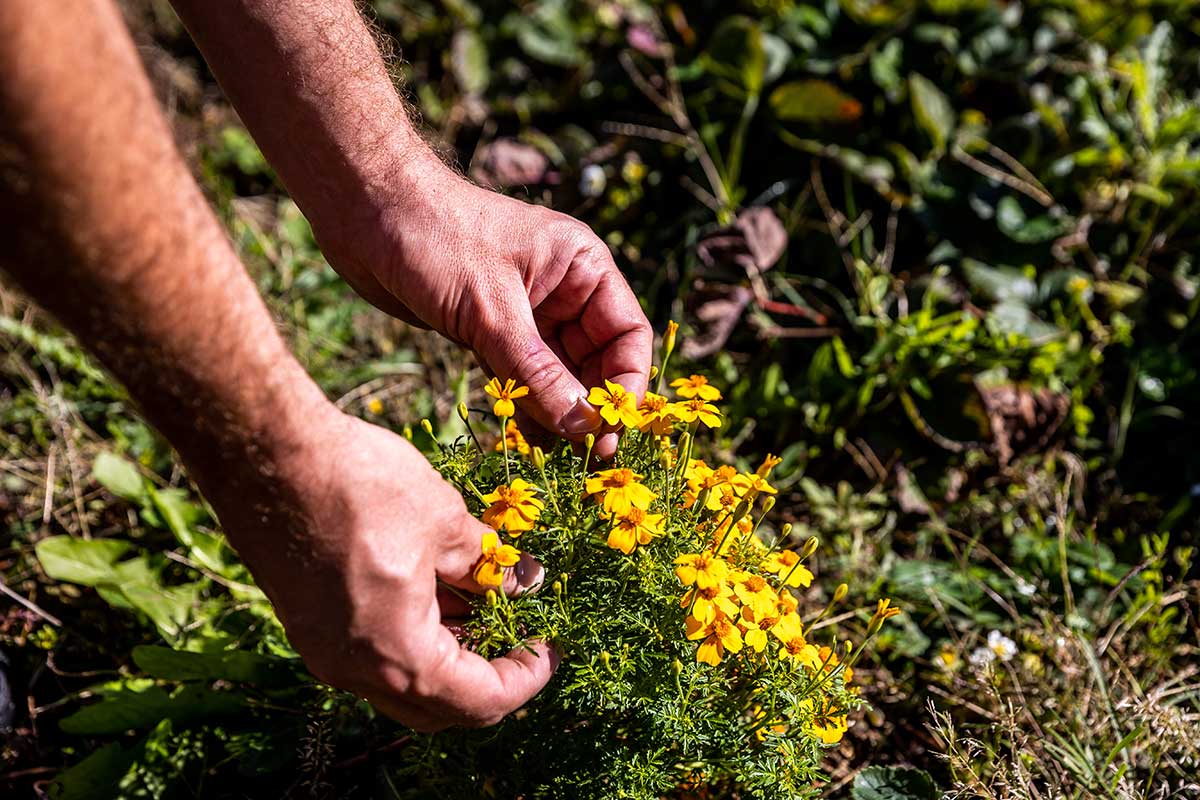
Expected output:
(555, 660)
(530, 574)
(581, 419)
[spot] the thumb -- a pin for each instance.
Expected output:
(515, 349)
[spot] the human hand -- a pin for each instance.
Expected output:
(534, 293)
(349, 535)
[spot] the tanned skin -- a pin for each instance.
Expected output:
(345, 525)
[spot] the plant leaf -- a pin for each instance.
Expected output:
(814, 101)
(119, 476)
(893, 783)
(84, 561)
(932, 109)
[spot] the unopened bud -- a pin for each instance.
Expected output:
(768, 504)
(557, 587)
(590, 441)
(653, 372)
(741, 510)
(605, 658)
(406, 432)
(669, 337)
(839, 593)
(684, 438)
(785, 531)
(810, 547)
(539, 458)
(664, 459)
(563, 577)
(491, 598)
(462, 411)
(677, 666)
(427, 426)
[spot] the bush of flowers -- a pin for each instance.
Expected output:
(695, 654)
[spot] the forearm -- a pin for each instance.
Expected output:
(308, 80)
(106, 228)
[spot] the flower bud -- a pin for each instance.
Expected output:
(539, 458)
(741, 510)
(810, 547)
(462, 411)
(590, 441)
(427, 426)
(839, 593)
(558, 588)
(785, 531)
(653, 371)
(768, 504)
(406, 432)
(563, 577)
(491, 598)
(605, 658)
(677, 666)
(669, 337)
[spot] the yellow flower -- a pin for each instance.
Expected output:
(790, 631)
(375, 406)
(753, 483)
(656, 414)
(786, 564)
(707, 602)
(634, 527)
(697, 409)
(514, 508)
(775, 726)
(719, 635)
(700, 477)
(830, 659)
(884, 610)
(617, 406)
(489, 569)
(703, 569)
(754, 591)
(514, 439)
(828, 723)
(752, 634)
(618, 490)
(769, 463)
(505, 395)
(696, 386)
(669, 336)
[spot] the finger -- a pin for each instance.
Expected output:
(515, 349)
(451, 603)
(614, 320)
(470, 690)
(459, 553)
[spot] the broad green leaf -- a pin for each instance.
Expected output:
(547, 34)
(814, 101)
(1000, 283)
(1013, 222)
(893, 783)
(118, 476)
(230, 665)
(98, 775)
(87, 562)
(177, 512)
(736, 54)
(932, 109)
(140, 704)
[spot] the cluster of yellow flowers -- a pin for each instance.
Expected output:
(736, 588)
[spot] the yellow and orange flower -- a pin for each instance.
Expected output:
(505, 394)
(514, 508)
(703, 569)
(786, 564)
(636, 526)
(706, 602)
(790, 632)
(719, 635)
(618, 490)
(696, 386)
(617, 406)
(697, 409)
(657, 417)
(754, 591)
(489, 569)
(828, 722)
(514, 439)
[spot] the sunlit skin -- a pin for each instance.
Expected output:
(96, 197)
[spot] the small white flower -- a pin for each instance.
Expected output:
(981, 657)
(1025, 588)
(592, 181)
(1003, 647)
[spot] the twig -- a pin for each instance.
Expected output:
(29, 604)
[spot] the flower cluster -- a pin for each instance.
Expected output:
(672, 582)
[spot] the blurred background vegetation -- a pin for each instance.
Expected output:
(940, 254)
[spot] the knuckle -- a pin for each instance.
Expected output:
(539, 369)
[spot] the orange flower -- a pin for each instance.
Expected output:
(514, 439)
(618, 490)
(656, 414)
(790, 631)
(617, 406)
(489, 569)
(719, 635)
(634, 527)
(697, 409)
(696, 386)
(828, 722)
(504, 406)
(769, 463)
(786, 564)
(514, 508)
(709, 601)
(703, 569)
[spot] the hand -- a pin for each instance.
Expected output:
(349, 536)
(534, 293)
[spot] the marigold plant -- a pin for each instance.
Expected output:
(689, 660)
